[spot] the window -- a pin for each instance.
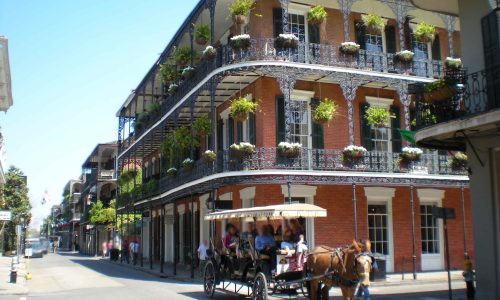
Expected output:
(429, 230)
(299, 126)
(420, 49)
(380, 139)
(373, 43)
(297, 26)
(378, 229)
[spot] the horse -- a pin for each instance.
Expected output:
(342, 267)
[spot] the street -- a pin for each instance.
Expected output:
(65, 276)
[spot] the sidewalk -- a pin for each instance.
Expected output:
(7, 288)
(395, 279)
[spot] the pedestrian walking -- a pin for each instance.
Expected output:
(110, 247)
(134, 248)
(469, 278)
(103, 249)
(202, 256)
(125, 249)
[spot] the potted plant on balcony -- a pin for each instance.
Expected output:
(202, 34)
(316, 15)
(378, 116)
(239, 9)
(424, 32)
(405, 56)
(168, 73)
(240, 42)
(289, 150)
(209, 156)
(287, 41)
(209, 53)
(154, 108)
(352, 155)
(241, 107)
(374, 24)
(426, 118)
(439, 90)
(183, 56)
(453, 63)
(350, 48)
(242, 149)
(325, 111)
(172, 172)
(188, 72)
(187, 165)
(202, 126)
(458, 162)
(409, 155)
(172, 89)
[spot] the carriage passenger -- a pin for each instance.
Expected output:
(231, 238)
(287, 242)
(265, 244)
(299, 240)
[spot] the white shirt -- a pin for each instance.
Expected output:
(202, 252)
(134, 247)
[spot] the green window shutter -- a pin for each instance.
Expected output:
(251, 129)
(230, 131)
(220, 135)
(360, 34)
(395, 125)
(239, 132)
(413, 116)
(277, 21)
(365, 129)
(317, 130)
(390, 39)
(407, 35)
(280, 119)
(436, 48)
(314, 36)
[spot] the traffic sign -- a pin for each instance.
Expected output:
(5, 215)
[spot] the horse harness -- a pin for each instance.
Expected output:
(334, 273)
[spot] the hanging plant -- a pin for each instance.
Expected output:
(458, 162)
(352, 155)
(240, 42)
(241, 150)
(287, 41)
(289, 150)
(325, 111)
(188, 72)
(154, 108)
(317, 15)
(424, 32)
(378, 116)
(349, 48)
(374, 24)
(209, 156)
(440, 90)
(239, 9)
(183, 56)
(405, 56)
(172, 89)
(172, 172)
(202, 126)
(168, 73)
(427, 118)
(453, 63)
(141, 120)
(241, 107)
(209, 53)
(187, 165)
(410, 154)
(202, 34)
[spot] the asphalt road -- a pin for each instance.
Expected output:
(71, 276)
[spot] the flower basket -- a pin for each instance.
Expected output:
(316, 15)
(453, 63)
(325, 111)
(352, 155)
(188, 72)
(242, 149)
(424, 32)
(240, 42)
(287, 41)
(349, 48)
(172, 89)
(404, 56)
(410, 154)
(378, 116)
(235, 151)
(373, 24)
(240, 116)
(240, 108)
(439, 90)
(209, 156)
(458, 163)
(209, 53)
(239, 19)
(187, 165)
(289, 150)
(202, 34)
(172, 172)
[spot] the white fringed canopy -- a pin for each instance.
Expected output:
(298, 210)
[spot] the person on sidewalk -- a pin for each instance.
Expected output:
(103, 249)
(125, 249)
(134, 248)
(202, 256)
(469, 278)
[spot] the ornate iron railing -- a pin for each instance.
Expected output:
(471, 94)
(307, 160)
(306, 53)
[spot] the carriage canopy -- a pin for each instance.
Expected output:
(298, 210)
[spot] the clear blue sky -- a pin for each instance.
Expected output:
(73, 63)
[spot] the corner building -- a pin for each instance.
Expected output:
(374, 199)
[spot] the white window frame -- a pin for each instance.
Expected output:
(303, 95)
(225, 129)
(384, 103)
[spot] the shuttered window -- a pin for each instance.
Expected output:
(390, 39)
(280, 119)
(365, 129)
(436, 48)
(277, 21)
(395, 125)
(251, 130)
(220, 135)
(239, 131)
(360, 31)
(230, 131)
(317, 129)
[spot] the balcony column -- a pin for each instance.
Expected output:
(210, 5)
(212, 115)
(176, 126)
(350, 85)
(143, 164)
(345, 6)
(405, 98)
(400, 9)
(191, 44)
(191, 129)
(284, 8)
(449, 23)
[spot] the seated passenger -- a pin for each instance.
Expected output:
(287, 243)
(231, 240)
(299, 240)
(264, 241)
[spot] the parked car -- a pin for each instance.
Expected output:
(36, 249)
(45, 245)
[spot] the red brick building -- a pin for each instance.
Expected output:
(375, 198)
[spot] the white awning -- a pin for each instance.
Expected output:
(298, 210)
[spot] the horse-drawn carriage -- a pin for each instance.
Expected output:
(251, 270)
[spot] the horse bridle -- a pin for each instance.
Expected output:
(356, 262)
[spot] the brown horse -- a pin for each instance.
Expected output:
(342, 267)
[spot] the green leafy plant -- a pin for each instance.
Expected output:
(150, 187)
(100, 215)
(202, 126)
(141, 121)
(209, 156)
(209, 53)
(458, 162)
(378, 116)
(172, 172)
(187, 164)
(453, 63)
(202, 34)
(183, 55)
(349, 48)
(168, 73)
(424, 32)
(409, 155)
(239, 9)
(242, 149)
(325, 111)
(154, 107)
(240, 42)
(374, 24)
(352, 155)
(441, 89)
(316, 15)
(405, 55)
(241, 107)
(426, 118)
(188, 72)
(289, 150)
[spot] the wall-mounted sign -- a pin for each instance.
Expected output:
(5, 215)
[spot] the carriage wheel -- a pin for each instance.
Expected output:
(259, 287)
(209, 279)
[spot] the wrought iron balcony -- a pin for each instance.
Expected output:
(264, 50)
(76, 217)
(470, 95)
(308, 160)
(107, 174)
